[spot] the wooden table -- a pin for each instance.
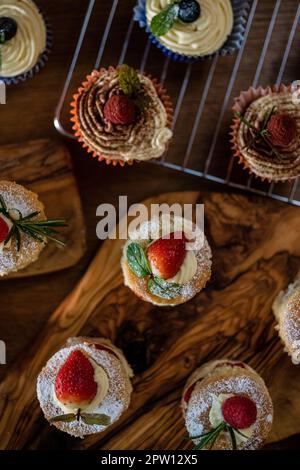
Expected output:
(27, 303)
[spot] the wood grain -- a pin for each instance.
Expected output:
(232, 318)
(44, 166)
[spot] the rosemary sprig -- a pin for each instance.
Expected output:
(261, 135)
(209, 438)
(36, 229)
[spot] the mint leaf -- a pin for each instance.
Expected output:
(100, 419)
(163, 21)
(128, 80)
(68, 418)
(164, 289)
(137, 260)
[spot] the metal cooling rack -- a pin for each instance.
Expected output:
(203, 125)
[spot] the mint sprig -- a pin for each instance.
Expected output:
(139, 265)
(163, 21)
(90, 419)
(131, 86)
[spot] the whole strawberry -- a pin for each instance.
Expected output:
(166, 254)
(4, 230)
(120, 110)
(239, 412)
(282, 130)
(74, 383)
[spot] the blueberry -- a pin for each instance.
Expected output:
(189, 11)
(8, 28)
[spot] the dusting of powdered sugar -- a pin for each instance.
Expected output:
(25, 201)
(232, 380)
(114, 403)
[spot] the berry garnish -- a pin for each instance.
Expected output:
(188, 393)
(166, 255)
(101, 347)
(120, 110)
(4, 230)
(8, 29)
(239, 412)
(189, 11)
(282, 130)
(74, 383)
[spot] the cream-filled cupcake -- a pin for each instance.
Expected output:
(226, 405)
(286, 308)
(85, 387)
(24, 40)
(166, 261)
(24, 229)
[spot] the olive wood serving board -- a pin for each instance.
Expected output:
(256, 253)
(44, 166)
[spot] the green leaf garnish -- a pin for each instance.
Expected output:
(164, 289)
(209, 438)
(137, 260)
(67, 418)
(100, 419)
(128, 80)
(163, 21)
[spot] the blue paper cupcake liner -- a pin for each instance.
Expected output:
(40, 63)
(234, 41)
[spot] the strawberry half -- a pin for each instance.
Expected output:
(4, 230)
(166, 254)
(74, 383)
(239, 412)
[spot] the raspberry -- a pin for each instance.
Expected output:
(4, 230)
(119, 110)
(239, 412)
(282, 130)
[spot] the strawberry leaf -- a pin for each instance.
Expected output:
(164, 289)
(137, 260)
(68, 418)
(163, 21)
(100, 419)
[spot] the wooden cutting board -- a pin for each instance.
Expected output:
(256, 253)
(45, 167)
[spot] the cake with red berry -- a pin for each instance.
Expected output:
(85, 387)
(286, 308)
(226, 405)
(266, 132)
(24, 229)
(166, 261)
(120, 116)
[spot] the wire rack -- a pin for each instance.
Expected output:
(202, 92)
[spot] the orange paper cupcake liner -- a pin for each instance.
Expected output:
(241, 103)
(162, 93)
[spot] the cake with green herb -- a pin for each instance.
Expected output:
(24, 229)
(166, 261)
(120, 116)
(266, 132)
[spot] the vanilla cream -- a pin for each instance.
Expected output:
(204, 36)
(22, 52)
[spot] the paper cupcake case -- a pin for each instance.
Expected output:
(240, 11)
(162, 93)
(241, 103)
(41, 62)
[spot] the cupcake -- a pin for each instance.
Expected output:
(226, 405)
(266, 133)
(188, 30)
(24, 40)
(24, 229)
(286, 308)
(122, 116)
(85, 387)
(166, 261)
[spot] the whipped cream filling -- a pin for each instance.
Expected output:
(216, 417)
(22, 52)
(204, 36)
(102, 382)
(10, 224)
(187, 270)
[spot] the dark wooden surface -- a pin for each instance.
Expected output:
(29, 114)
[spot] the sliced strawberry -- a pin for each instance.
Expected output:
(4, 230)
(74, 383)
(239, 412)
(101, 347)
(188, 393)
(167, 254)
